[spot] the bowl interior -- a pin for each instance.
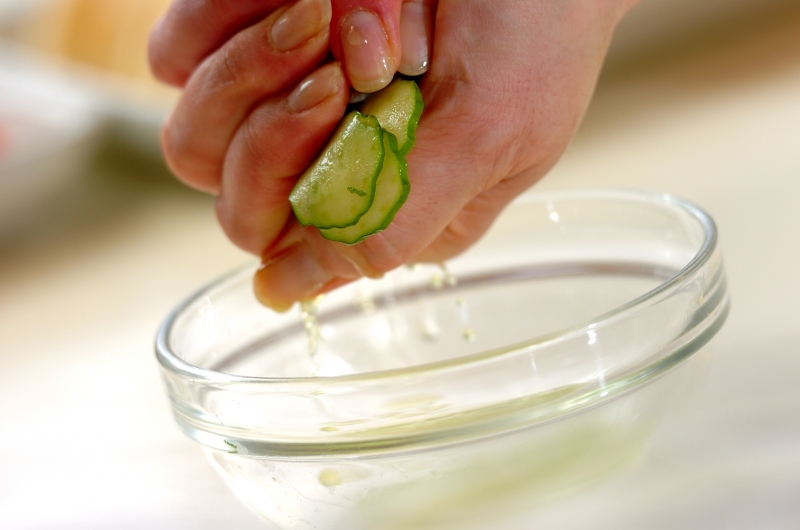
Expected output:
(547, 266)
(418, 318)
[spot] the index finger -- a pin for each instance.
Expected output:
(192, 29)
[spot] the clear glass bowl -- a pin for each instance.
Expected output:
(571, 327)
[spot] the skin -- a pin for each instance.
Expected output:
(508, 84)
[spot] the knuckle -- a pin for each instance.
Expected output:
(379, 255)
(232, 66)
(190, 165)
(252, 144)
(458, 234)
(229, 69)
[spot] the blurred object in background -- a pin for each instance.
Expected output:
(654, 27)
(108, 34)
(73, 75)
(103, 45)
(48, 132)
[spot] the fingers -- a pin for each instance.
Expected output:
(192, 29)
(276, 142)
(257, 63)
(365, 36)
(416, 36)
(303, 264)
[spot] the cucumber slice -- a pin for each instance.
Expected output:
(398, 108)
(339, 187)
(391, 192)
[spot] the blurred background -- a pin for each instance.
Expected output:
(98, 243)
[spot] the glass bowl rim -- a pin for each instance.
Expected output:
(174, 364)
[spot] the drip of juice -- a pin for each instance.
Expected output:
(467, 332)
(364, 302)
(443, 279)
(448, 278)
(309, 310)
(430, 329)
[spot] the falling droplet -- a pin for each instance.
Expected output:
(430, 328)
(308, 313)
(447, 277)
(467, 333)
(364, 302)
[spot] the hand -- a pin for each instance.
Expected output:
(507, 85)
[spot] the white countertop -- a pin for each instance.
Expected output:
(86, 437)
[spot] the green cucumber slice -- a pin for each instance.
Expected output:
(398, 108)
(391, 192)
(339, 187)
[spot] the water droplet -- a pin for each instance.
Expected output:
(468, 334)
(364, 302)
(430, 328)
(448, 278)
(308, 314)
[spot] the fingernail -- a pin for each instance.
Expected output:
(367, 57)
(357, 97)
(315, 88)
(294, 274)
(416, 30)
(299, 23)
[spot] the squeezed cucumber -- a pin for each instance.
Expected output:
(360, 180)
(398, 108)
(339, 187)
(391, 192)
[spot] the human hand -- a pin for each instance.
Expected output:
(508, 84)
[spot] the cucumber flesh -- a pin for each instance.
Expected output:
(339, 187)
(390, 193)
(398, 108)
